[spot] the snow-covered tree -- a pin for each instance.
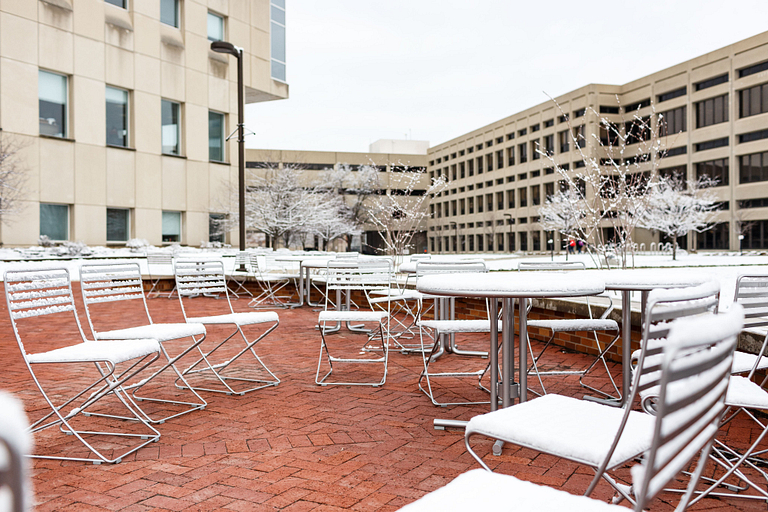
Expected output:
(676, 207)
(563, 212)
(399, 216)
(13, 178)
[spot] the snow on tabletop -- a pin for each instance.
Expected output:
(481, 490)
(236, 318)
(447, 326)
(567, 427)
(159, 332)
(513, 284)
(114, 351)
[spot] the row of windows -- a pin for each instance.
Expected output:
(54, 115)
(489, 202)
(492, 242)
(54, 223)
(170, 14)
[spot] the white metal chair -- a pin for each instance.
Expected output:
(239, 275)
(160, 267)
(692, 374)
(444, 328)
(555, 326)
(597, 435)
(15, 443)
(196, 279)
(348, 277)
(270, 283)
(114, 291)
(33, 295)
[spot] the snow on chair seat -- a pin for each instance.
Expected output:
(115, 352)
(344, 316)
(248, 318)
(456, 326)
(576, 324)
(482, 490)
(159, 332)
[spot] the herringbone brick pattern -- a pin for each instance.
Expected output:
(297, 446)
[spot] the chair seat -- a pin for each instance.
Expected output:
(566, 427)
(743, 362)
(237, 318)
(395, 295)
(159, 332)
(575, 324)
(482, 490)
(350, 316)
(742, 392)
(92, 351)
(451, 326)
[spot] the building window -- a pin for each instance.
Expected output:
(215, 27)
(672, 121)
(462, 168)
(523, 241)
(499, 200)
(471, 204)
(117, 117)
(756, 236)
(535, 155)
(712, 111)
(536, 240)
(605, 109)
(522, 194)
(549, 123)
(277, 39)
(706, 84)
(510, 199)
(169, 12)
(522, 150)
(489, 202)
(711, 144)
(489, 161)
(751, 70)
(580, 113)
(216, 136)
(53, 95)
(479, 204)
(471, 167)
(511, 156)
(752, 136)
(171, 119)
(522, 132)
(171, 226)
(500, 159)
(564, 141)
(479, 165)
(535, 195)
(118, 225)
(119, 3)
(638, 105)
(54, 221)
(714, 238)
(638, 130)
(753, 168)
(671, 95)
(578, 136)
(717, 170)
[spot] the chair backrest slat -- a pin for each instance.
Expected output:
(107, 283)
(196, 278)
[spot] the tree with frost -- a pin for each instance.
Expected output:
(332, 219)
(611, 182)
(13, 179)
(400, 214)
(676, 207)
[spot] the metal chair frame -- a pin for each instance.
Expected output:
(239, 276)
(33, 294)
(107, 283)
(346, 277)
(269, 283)
(153, 259)
(205, 278)
(567, 325)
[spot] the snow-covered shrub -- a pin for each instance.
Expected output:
(74, 249)
(44, 241)
(137, 244)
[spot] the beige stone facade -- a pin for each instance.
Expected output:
(719, 100)
(131, 49)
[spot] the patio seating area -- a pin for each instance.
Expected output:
(298, 446)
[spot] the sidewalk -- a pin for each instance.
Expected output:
(298, 446)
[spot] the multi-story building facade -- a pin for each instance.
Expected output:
(391, 167)
(716, 110)
(121, 110)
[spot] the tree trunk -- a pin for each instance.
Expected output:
(674, 247)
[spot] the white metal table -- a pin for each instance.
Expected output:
(509, 286)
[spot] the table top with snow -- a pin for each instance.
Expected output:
(513, 284)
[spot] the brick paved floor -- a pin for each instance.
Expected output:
(296, 446)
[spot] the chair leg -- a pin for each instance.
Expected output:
(322, 381)
(217, 369)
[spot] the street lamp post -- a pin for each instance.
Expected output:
(455, 236)
(509, 222)
(237, 52)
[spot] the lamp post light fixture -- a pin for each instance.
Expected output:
(455, 236)
(509, 222)
(237, 52)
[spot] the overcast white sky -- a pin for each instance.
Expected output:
(363, 70)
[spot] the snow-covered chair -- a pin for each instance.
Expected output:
(270, 283)
(692, 375)
(35, 298)
(114, 292)
(197, 279)
(444, 328)
(348, 277)
(555, 326)
(602, 436)
(744, 396)
(240, 274)
(160, 267)
(15, 444)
